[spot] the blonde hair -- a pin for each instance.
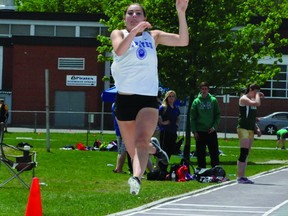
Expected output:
(165, 100)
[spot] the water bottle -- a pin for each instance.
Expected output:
(173, 176)
(26, 150)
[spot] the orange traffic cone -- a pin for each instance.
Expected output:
(34, 205)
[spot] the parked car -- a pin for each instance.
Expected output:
(271, 123)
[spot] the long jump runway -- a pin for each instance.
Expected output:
(267, 197)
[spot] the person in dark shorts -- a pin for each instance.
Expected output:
(246, 126)
(135, 72)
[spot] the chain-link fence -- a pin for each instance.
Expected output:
(88, 120)
(61, 120)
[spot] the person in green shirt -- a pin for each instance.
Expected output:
(282, 134)
(205, 118)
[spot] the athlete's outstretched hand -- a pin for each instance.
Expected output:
(181, 5)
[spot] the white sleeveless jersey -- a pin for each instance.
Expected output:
(136, 71)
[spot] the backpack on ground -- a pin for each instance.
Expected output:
(157, 175)
(215, 174)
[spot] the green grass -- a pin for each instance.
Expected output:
(81, 183)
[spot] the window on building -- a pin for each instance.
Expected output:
(89, 32)
(43, 30)
(104, 31)
(71, 63)
(280, 77)
(278, 86)
(267, 85)
(267, 93)
(20, 29)
(65, 31)
(278, 93)
(283, 68)
(4, 29)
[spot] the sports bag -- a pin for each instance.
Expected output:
(215, 174)
(157, 175)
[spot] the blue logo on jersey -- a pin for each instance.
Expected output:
(141, 53)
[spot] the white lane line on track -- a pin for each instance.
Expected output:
(275, 208)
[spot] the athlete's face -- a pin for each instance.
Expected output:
(133, 16)
(254, 92)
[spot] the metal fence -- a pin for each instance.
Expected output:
(61, 120)
(88, 120)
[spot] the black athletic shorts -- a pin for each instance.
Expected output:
(128, 106)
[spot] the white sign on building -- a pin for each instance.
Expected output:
(80, 80)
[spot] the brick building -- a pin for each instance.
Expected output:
(63, 44)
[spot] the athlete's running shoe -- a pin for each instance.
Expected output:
(160, 154)
(134, 184)
(244, 180)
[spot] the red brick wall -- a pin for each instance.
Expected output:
(29, 64)
(7, 68)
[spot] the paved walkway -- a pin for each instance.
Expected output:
(267, 197)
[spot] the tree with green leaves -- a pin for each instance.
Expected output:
(59, 6)
(227, 39)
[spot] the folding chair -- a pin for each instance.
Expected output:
(17, 160)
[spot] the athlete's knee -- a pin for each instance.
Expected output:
(244, 152)
(142, 142)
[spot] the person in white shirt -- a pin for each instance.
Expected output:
(135, 72)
